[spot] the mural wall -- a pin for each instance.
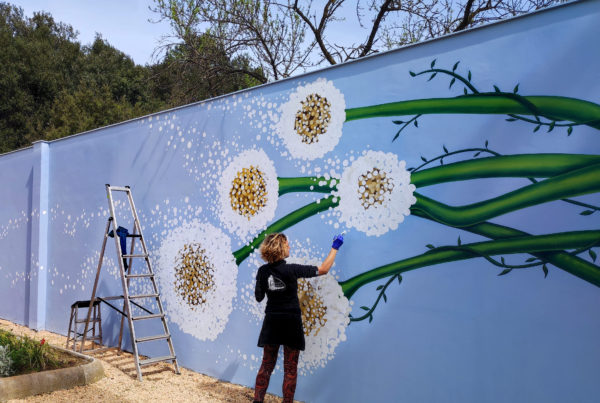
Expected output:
(465, 172)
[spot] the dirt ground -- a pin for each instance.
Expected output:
(160, 383)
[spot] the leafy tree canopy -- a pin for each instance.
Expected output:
(52, 86)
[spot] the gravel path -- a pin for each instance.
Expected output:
(160, 383)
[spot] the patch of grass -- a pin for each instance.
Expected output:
(28, 355)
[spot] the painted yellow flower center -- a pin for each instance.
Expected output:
(313, 118)
(373, 186)
(194, 276)
(312, 307)
(248, 192)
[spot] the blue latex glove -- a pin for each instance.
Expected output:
(338, 240)
(122, 234)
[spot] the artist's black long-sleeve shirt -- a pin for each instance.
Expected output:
(279, 282)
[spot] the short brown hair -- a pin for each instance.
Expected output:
(272, 249)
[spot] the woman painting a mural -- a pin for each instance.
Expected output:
(282, 325)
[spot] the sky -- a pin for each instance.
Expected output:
(123, 23)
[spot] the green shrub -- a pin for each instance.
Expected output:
(5, 362)
(28, 355)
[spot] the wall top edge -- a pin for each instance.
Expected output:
(17, 150)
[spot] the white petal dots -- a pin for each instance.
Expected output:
(375, 193)
(197, 278)
(325, 316)
(248, 192)
(310, 122)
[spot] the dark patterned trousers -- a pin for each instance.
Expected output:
(290, 372)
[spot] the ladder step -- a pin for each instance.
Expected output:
(119, 189)
(83, 320)
(139, 275)
(80, 337)
(152, 338)
(153, 316)
(157, 359)
(140, 255)
(143, 296)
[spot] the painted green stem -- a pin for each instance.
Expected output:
(565, 261)
(522, 244)
(574, 183)
(559, 108)
(504, 166)
(306, 184)
(575, 175)
(284, 223)
(520, 166)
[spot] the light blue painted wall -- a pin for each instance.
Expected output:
(453, 332)
(19, 214)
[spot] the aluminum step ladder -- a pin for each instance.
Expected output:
(125, 265)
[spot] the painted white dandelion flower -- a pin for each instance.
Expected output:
(325, 311)
(375, 193)
(197, 277)
(310, 122)
(248, 192)
(325, 316)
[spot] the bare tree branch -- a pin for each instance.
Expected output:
(385, 8)
(281, 37)
(466, 19)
